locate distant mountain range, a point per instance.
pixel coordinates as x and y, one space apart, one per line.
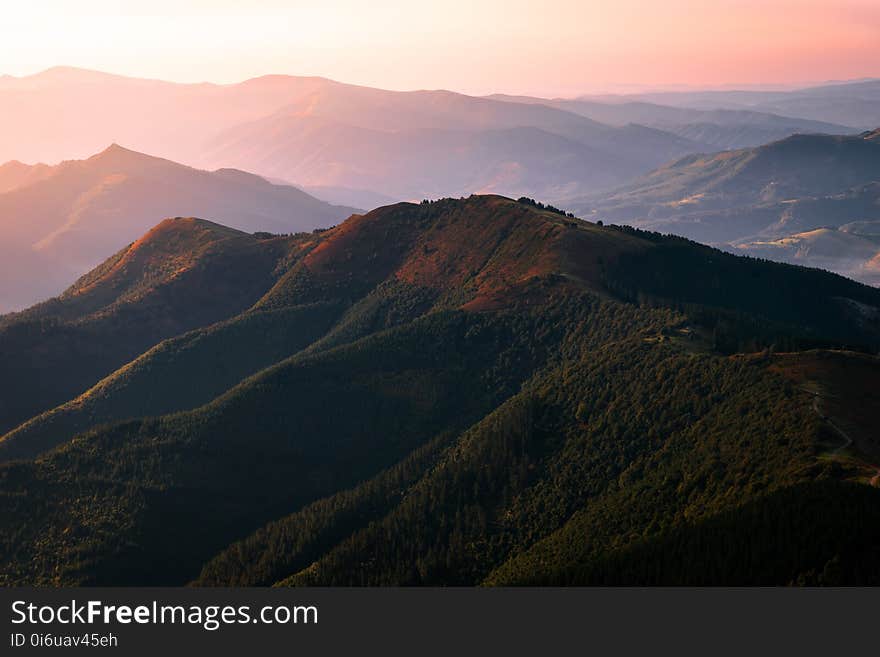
323 134
362 144
434 143
455 392
17 174
60 221
718 128
809 199
853 103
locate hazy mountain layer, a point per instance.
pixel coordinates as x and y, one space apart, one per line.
15 174
319 133
719 128
71 216
849 103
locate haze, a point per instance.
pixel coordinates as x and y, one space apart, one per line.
556 47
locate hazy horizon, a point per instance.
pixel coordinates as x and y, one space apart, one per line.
564 48
620 89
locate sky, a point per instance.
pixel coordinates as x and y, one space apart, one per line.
549 47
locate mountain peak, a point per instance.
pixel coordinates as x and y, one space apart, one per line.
487 251
182 225
115 149
15 174
66 75
116 156
56 71
172 247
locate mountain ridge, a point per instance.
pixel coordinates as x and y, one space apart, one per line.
719 128
758 195
184 274
80 211
482 254
198 123
423 395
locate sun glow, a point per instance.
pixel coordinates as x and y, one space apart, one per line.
557 47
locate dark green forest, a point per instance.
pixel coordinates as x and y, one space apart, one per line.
461 392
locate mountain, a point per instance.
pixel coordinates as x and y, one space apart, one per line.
183 274
719 128
67 113
801 165
320 133
841 250
69 219
851 103
15 174
456 392
434 162
431 143
749 129
749 199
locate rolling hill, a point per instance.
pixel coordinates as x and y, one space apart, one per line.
455 392
74 214
764 200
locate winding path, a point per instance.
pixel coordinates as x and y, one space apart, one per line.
847 439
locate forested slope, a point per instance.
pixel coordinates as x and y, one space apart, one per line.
459 392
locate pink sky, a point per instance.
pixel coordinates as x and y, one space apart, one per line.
554 47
